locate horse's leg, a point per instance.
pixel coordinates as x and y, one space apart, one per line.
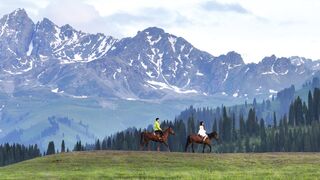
204 146
192 148
166 144
141 146
141 142
186 147
158 147
148 145
144 142
209 147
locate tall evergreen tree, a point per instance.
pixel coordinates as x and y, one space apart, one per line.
251 122
316 104
263 136
242 126
104 144
291 115
247 144
226 126
98 145
51 149
63 147
298 109
215 126
234 134
274 120
310 108
191 125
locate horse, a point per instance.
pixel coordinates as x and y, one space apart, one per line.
151 136
195 138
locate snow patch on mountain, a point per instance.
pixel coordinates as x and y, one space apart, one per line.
30 48
226 77
56 90
273 91
270 72
172 41
161 85
5 25
199 73
144 65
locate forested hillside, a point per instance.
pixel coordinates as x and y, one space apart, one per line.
240 130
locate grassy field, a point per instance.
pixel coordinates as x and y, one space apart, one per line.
154 165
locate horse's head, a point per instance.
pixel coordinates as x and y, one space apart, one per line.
171 131
214 135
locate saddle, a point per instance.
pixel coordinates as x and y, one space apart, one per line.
158 135
202 137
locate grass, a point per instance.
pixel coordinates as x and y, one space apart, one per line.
154 165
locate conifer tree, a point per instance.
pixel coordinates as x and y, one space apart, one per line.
98 145
51 149
63 148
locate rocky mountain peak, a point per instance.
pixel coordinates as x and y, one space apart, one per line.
153 31
231 58
19 13
16 31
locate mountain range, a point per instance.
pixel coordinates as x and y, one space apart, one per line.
55 79
151 65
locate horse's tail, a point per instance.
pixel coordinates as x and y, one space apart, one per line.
187 144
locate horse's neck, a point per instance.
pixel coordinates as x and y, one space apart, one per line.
211 136
166 134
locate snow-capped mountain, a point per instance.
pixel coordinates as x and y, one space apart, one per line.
150 65
67 44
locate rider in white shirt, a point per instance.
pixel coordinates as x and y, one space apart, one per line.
202 131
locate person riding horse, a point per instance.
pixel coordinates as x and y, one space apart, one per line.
202 132
157 129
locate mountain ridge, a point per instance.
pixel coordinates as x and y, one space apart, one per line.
150 65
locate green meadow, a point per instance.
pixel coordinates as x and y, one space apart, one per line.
163 165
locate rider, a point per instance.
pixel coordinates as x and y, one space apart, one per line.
156 127
202 131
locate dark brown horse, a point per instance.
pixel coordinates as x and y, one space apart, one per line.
151 136
195 138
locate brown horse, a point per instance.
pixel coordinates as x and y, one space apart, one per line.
195 138
150 136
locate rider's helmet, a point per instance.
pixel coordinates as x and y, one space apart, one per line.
201 123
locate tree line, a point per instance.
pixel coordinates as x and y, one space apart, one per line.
239 131
13 153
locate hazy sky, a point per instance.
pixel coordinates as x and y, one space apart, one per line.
253 28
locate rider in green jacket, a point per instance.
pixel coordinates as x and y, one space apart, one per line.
156 127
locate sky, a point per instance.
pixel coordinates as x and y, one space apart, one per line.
253 28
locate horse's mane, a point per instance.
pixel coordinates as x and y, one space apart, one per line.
211 135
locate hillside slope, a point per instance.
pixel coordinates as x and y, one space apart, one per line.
119 164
